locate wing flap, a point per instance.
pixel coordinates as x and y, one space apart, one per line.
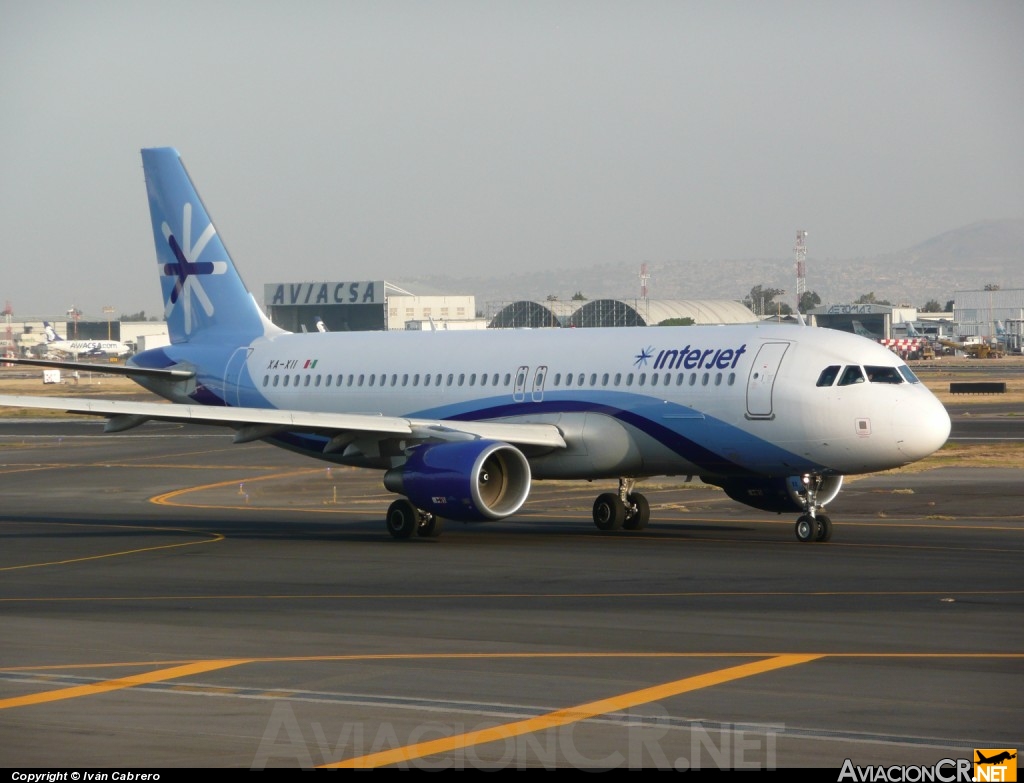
253 423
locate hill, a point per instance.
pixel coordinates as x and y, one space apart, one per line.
962 259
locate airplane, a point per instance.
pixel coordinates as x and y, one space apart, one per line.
1004 756
462 423
54 342
863 331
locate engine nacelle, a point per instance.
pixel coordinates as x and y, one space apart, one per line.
469 481
776 494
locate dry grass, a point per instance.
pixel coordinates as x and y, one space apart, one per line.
29 381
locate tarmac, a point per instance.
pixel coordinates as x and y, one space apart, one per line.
171 600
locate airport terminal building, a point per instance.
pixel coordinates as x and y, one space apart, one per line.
367 305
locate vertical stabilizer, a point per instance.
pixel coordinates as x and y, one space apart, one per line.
203 295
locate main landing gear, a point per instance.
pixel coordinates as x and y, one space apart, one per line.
625 509
813 524
404 520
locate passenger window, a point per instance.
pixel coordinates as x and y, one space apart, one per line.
317 381
642 379
704 379
275 380
593 379
618 378
851 375
629 379
426 379
718 379
604 379
883 375
266 379
732 378
828 375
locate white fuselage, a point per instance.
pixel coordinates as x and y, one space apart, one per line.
631 401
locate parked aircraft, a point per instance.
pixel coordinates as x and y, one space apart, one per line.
462 422
54 342
863 331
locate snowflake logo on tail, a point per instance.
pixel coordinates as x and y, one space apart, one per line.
187 268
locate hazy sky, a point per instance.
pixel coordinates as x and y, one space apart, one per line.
344 140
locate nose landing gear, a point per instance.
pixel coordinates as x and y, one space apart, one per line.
813 524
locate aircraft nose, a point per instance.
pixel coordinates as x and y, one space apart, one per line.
924 428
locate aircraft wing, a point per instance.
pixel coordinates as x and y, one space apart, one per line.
106 369
255 423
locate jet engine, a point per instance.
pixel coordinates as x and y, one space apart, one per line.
468 481
776 494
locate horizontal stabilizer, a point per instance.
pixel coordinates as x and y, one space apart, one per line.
108 369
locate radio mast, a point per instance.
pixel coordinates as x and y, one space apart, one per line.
801 267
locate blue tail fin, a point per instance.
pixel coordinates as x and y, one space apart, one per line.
204 297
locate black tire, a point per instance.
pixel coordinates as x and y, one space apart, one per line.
824 532
609 512
806 528
638 512
430 527
403 519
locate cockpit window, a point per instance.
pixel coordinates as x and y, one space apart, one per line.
907 373
883 374
851 375
828 375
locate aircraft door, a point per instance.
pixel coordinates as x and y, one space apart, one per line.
538 383
233 376
519 393
762 380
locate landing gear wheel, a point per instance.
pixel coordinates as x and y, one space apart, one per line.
430 527
609 512
806 528
824 532
638 512
403 519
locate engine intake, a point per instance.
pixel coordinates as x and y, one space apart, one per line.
468 481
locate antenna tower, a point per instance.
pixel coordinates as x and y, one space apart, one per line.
801 267
644 277
8 332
